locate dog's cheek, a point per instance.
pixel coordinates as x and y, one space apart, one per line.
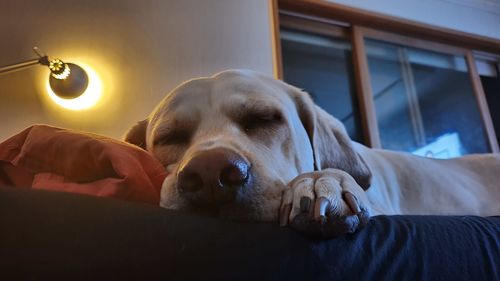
294 154
270 210
265 198
266 209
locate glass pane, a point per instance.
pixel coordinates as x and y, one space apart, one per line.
322 66
424 101
490 78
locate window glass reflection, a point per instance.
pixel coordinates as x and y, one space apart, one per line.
322 66
424 101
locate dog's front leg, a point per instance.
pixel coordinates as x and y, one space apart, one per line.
327 203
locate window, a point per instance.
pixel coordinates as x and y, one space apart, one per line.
489 69
393 91
424 101
321 65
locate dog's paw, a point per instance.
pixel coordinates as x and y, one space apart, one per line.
327 203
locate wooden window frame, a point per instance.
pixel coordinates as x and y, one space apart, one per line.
353 16
358 25
311 26
370 33
364 90
481 102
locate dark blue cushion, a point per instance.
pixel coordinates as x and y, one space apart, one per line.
46 235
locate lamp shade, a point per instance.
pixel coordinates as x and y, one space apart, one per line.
71 86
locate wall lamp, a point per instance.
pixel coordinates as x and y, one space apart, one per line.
67 80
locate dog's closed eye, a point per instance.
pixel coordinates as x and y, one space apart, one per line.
260 119
173 137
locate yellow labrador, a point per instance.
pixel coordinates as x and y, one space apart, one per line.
242 145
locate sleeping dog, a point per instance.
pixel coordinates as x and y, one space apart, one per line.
242 145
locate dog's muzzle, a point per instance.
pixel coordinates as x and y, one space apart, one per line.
213 177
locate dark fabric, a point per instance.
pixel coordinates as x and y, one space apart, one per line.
47 235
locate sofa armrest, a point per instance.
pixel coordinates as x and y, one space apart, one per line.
49 235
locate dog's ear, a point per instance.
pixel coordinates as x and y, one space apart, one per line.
331 144
137 134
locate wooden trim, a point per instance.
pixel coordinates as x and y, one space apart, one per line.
364 90
482 103
412 42
313 18
373 20
315 26
275 39
311 26
486 56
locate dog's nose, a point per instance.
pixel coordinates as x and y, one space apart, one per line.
213 176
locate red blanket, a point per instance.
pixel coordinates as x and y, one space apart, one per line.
44 157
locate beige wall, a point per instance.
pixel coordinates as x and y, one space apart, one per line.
141 49
480 17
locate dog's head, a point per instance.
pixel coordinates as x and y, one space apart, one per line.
232 142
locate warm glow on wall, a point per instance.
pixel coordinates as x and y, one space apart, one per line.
88 99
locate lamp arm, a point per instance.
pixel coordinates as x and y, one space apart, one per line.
22 65
65 82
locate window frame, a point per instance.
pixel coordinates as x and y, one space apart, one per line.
337 20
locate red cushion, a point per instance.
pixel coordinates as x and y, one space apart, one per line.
44 157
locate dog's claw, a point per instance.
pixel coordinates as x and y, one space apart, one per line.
305 204
284 214
322 220
352 202
322 204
